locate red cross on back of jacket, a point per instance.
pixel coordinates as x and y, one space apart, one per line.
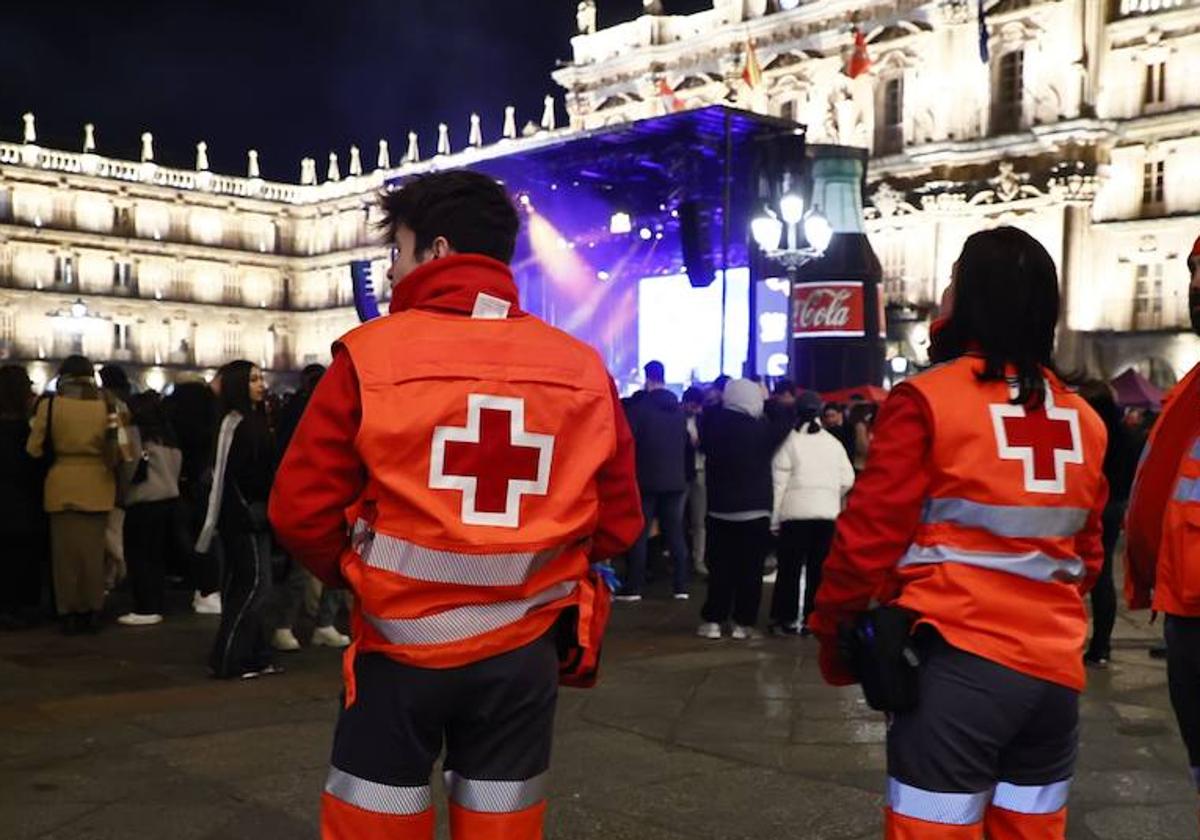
482 438
994 564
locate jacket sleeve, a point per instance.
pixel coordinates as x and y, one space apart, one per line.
1089 543
36 444
781 472
620 518
321 474
878 524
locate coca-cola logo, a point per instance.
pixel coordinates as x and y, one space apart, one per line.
825 309
830 309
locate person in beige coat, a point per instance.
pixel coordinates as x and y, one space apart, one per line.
76 429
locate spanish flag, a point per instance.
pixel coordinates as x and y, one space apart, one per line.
752 71
860 61
672 102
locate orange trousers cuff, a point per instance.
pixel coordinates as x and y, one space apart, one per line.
516 825
343 821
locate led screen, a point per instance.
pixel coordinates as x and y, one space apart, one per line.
680 325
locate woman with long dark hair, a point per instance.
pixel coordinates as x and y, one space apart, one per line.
977 524
243 469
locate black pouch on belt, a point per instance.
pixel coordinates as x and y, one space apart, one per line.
880 649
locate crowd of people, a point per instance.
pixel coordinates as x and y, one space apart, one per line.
945 540
107 490
732 474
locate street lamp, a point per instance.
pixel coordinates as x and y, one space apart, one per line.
79 308
768 229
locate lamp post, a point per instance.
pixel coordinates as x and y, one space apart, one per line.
791 236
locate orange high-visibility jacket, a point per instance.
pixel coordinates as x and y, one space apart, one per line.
1164 511
482 439
1009 536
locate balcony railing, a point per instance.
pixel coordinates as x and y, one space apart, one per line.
1133 8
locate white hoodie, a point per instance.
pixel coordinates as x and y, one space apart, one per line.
812 474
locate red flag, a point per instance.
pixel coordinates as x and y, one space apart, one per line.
752 71
673 102
860 61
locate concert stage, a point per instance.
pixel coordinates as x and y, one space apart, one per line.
636 238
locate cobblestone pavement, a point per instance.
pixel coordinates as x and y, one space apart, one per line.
121 735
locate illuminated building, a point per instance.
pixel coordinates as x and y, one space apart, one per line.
1082 126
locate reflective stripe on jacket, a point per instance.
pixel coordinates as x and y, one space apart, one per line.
999 561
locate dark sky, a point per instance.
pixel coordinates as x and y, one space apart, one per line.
292 79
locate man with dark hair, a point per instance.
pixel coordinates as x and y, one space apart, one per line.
834 419
656 374
1163 552
485 464
660 440
460 212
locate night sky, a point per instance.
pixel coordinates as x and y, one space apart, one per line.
292 79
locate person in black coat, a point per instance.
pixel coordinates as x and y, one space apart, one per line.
1120 464
22 521
738 443
660 437
191 411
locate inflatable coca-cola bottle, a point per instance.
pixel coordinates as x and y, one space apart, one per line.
837 310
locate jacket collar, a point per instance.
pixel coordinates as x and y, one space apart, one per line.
453 284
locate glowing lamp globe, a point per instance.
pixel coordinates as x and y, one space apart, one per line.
791 208
767 232
818 231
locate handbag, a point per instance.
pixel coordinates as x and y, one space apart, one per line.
880 650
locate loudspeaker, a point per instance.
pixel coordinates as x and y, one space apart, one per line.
696 245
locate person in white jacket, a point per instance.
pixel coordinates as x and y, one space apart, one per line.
812 476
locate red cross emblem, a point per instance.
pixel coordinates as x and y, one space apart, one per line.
493 460
1044 441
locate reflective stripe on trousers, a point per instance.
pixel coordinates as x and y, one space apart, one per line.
392 554
459 623
1006 520
1030 564
376 797
935 806
969 808
493 796
1032 799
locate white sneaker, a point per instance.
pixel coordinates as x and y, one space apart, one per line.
680 596
139 619
285 639
740 632
209 604
628 599
709 630
329 636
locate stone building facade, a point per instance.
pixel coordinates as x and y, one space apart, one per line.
1082 126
